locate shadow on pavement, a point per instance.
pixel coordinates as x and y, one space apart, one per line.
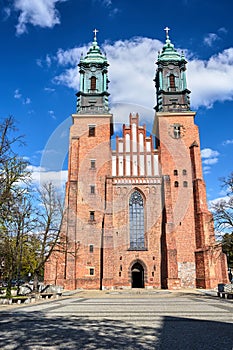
37 331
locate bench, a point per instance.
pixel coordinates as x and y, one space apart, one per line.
19 300
47 295
225 291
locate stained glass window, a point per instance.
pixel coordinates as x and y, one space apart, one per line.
136 221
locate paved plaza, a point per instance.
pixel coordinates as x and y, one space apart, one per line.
120 320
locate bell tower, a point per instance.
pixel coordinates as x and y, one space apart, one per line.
171 87
89 164
187 233
93 93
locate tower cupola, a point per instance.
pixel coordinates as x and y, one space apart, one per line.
170 80
93 93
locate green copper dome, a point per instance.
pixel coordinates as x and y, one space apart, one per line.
93 93
169 53
94 54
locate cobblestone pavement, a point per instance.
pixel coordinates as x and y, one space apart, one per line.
120 320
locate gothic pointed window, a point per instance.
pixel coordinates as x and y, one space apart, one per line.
136 221
93 83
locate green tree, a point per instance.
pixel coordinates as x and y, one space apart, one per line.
14 179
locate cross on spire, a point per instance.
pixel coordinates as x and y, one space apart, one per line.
167 32
95 31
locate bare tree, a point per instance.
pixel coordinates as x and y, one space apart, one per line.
48 219
223 216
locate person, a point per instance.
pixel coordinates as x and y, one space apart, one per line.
230 276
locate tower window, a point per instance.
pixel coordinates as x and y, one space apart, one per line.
92 189
175 172
91 130
176 184
92 272
92 163
185 184
176 131
91 248
92 216
172 82
93 83
184 172
136 221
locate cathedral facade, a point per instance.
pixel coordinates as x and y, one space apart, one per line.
135 216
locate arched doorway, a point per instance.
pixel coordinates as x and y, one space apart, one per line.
137 275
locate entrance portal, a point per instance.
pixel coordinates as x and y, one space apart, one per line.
137 276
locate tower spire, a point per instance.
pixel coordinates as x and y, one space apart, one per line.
172 92
93 93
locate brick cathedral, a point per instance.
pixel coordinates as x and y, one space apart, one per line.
135 216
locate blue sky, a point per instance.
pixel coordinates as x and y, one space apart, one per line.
41 43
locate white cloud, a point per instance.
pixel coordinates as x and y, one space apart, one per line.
47 89
227 142
52 114
209 153
210 161
6 13
109 5
211 80
17 94
41 175
206 169
27 101
209 157
40 13
210 39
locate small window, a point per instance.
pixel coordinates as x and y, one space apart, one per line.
92 272
176 184
120 267
92 189
119 274
185 184
172 81
92 163
91 130
176 131
184 172
152 274
91 248
92 216
93 83
175 172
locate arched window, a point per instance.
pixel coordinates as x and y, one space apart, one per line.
136 221
172 82
93 83
176 184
